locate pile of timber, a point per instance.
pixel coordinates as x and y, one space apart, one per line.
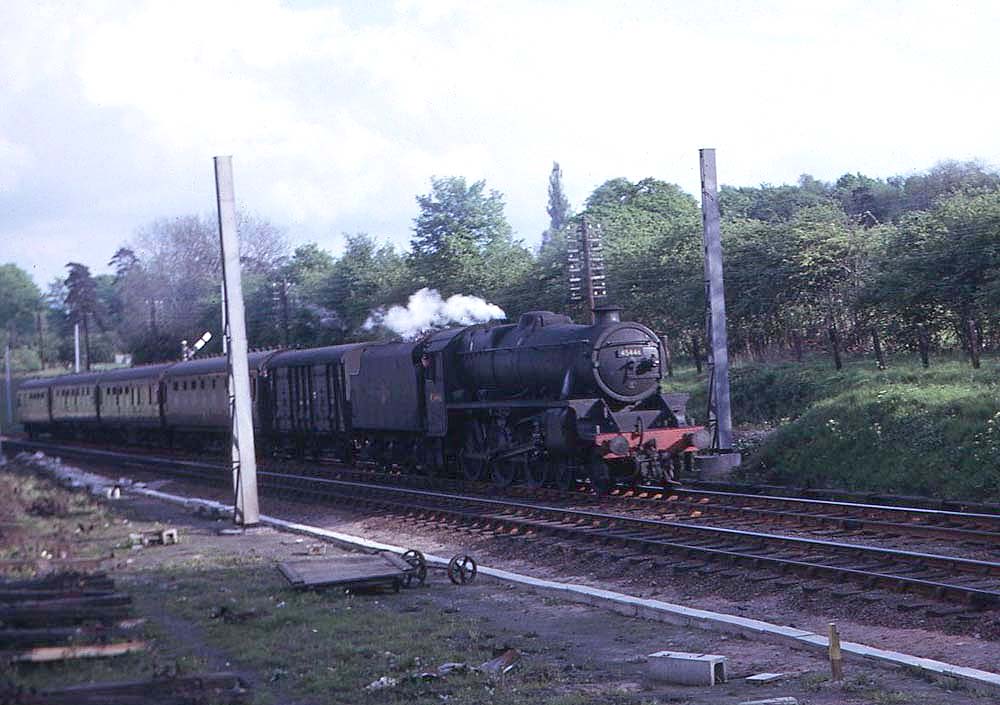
65 616
73 615
204 689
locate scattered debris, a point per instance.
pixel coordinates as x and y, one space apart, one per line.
155 538
48 507
230 617
42 654
501 664
443 670
382 683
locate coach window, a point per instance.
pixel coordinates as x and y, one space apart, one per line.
203 383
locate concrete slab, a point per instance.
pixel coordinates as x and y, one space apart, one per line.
683 668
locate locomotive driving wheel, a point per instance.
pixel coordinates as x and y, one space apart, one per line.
600 476
536 472
473 457
563 473
507 470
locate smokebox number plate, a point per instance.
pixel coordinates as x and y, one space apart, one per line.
629 352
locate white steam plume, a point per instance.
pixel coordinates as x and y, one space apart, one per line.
427 310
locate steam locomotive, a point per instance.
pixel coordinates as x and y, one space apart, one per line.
539 401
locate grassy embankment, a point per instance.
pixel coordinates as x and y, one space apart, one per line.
907 430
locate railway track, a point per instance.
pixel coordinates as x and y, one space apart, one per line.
975 582
853 521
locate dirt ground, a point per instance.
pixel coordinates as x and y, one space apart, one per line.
216 602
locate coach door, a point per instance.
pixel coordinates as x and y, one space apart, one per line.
321 418
300 407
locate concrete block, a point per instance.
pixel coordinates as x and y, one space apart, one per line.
761 678
686 669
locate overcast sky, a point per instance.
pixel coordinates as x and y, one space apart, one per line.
338 113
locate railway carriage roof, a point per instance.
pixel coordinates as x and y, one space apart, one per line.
151 373
74 379
36 383
213 365
312 356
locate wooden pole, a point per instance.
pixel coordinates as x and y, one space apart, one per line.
877 345
973 343
247 511
924 345
668 362
836 659
588 278
835 347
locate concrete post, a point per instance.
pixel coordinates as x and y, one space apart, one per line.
716 300
9 389
245 470
234 446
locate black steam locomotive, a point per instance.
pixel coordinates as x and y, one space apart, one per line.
540 401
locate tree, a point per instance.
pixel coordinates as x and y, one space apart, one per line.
558 207
773 203
368 275
19 300
171 283
82 303
651 238
462 242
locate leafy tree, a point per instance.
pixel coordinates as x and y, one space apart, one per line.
462 242
368 275
558 207
772 203
82 303
19 300
652 245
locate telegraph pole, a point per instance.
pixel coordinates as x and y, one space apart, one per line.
586 267
720 419
245 470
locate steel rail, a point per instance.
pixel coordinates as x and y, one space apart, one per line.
645 534
846 516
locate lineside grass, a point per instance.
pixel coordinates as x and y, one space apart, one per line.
328 646
906 429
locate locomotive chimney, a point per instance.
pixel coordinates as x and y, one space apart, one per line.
607 313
